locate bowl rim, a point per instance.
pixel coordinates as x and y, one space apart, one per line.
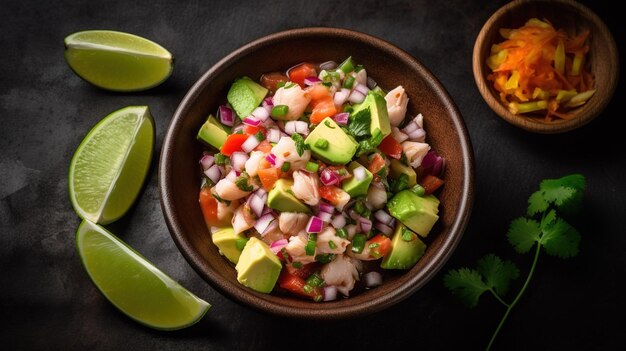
450 242
527 123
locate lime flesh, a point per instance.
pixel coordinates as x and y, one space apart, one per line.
117 61
133 284
110 165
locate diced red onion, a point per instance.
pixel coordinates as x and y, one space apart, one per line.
410 127
329 292
271 158
226 115
237 128
252 121
267 104
359 173
250 143
371 83
256 205
238 160
373 279
261 113
339 221
328 65
325 216
383 216
315 225
326 207
273 135
206 161
362 89
262 194
290 127
366 224
263 223
302 127
351 229
417 135
311 80
398 135
232 175
329 177
385 229
213 173
356 97
429 160
341 96
283 134
278 245
341 118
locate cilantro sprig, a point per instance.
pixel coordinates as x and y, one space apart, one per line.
541 228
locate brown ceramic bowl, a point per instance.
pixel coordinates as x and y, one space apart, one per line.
179 178
563 14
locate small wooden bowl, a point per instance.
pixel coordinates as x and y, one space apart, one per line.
563 14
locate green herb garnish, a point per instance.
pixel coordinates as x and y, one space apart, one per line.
542 227
286 166
242 182
300 145
259 136
359 124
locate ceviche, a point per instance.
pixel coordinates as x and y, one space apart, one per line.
315 181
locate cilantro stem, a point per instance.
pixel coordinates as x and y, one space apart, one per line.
493 292
519 295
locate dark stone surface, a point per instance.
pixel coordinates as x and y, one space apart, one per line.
48 301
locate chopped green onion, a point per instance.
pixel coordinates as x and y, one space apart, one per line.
297 265
358 243
285 254
285 167
280 84
373 245
321 144
327 84
315 280
332 245
312 167
347 66
307 288
418 190
342 233
259 136
221 159
407 235
348 109
324 258
309 248
327 124
240 243
279 110
348 83
361 209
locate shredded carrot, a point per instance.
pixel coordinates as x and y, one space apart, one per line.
535 63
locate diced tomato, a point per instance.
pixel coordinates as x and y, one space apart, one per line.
208 204
305 271
233 143
376 164
298 73
268 177
330 193
264 164
270 80
431 183
264 146
252 130
318 91
390 147
322 108
295 285
382 245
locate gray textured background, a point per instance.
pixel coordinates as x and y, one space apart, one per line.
48 302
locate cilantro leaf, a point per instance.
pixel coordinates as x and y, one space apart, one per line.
498 274
558 194
466 284
575 181
537 203
359 124
548 219
370 145
523 233
560 239
300 144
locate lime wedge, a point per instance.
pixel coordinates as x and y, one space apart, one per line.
117 61
133 284
110 165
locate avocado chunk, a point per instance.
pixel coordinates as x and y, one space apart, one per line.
245 95
229 243
406 249
213 133
329 143
281 198
398 168
356 187
378 111
416 212
258 268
